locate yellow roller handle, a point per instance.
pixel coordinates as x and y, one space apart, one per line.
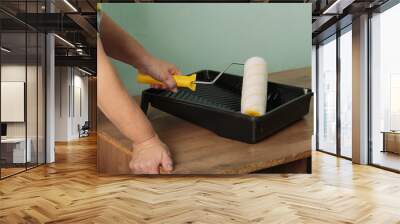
187 81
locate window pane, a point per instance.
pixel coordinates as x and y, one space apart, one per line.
31 97
41 98
32 88
346 94
386 89
14 153
327 97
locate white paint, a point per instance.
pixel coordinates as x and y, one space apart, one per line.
254 89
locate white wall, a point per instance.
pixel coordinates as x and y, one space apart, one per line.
62 81
71 93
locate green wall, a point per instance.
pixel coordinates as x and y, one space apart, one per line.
210 36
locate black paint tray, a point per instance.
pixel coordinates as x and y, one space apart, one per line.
217 107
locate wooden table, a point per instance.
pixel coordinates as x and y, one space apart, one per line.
196 150
391 141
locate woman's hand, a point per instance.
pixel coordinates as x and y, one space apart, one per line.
149 156
162 71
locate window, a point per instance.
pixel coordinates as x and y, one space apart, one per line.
385 89
327 96
346 92
22 88
333 137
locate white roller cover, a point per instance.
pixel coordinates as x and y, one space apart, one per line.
254 90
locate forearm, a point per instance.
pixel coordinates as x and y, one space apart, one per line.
115 102
119 45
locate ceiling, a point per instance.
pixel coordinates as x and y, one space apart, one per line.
39 6
16 42
332 15
74 22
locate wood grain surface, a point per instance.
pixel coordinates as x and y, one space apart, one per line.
196 150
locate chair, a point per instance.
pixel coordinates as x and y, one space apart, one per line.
84 130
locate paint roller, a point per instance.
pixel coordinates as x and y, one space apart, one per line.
254 89
188 81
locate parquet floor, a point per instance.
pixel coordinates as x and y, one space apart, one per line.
387 159
70 191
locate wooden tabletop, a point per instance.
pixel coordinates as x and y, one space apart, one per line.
196 150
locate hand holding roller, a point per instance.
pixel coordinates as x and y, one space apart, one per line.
188 81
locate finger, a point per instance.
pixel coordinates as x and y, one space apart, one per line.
157 86
150 167
170 82
166 163
173 70
178 72
137 170
153 170
168 152
132 166
161 87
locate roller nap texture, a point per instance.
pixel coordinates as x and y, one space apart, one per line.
254 89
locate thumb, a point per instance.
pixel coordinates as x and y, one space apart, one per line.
166 162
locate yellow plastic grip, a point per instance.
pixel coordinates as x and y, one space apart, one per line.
187 81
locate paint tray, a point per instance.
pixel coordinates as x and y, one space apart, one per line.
217 107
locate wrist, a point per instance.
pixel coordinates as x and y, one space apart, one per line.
151 141
144 62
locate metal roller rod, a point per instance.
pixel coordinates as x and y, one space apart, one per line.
219 75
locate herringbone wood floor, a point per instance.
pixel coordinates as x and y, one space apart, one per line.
70 191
